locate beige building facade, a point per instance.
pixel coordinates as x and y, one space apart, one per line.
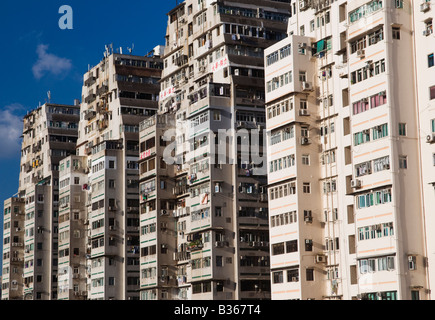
118 93
212 200
49 135
345 189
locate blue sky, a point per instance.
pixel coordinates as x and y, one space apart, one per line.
37 56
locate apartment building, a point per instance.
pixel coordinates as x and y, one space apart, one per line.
344 187
73 228
118 93
31 230
159 276
425 101
206 235
13 253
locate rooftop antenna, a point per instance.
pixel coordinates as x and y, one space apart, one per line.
49 96
106 52
130 49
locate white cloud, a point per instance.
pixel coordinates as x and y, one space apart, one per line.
49 63
11 128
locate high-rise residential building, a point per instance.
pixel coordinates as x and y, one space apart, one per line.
272 149
204 222
73 225
118 93
49 134
13 253
424 63
348 114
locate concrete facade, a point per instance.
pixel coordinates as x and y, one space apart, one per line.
357 176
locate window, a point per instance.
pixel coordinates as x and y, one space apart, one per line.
415 295
310 275
365 10
430 60
111 281
278 277
403 162
218 211
402 129
373 198
293 275
380 131
361 137
398 4
216 115
378 99
308 245
306 159
386 263
217 187
306 187
278 248
291 246
412 262
360 106
432 93
396 33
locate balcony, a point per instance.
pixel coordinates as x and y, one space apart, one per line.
90 98
181 60
90 114
90 81
102 90
195 246
181 256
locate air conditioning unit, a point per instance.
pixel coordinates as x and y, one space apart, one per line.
360 53
308 219
303 4
303 112
307 86
424 6
430 138
320 258
355 183
164 212
236 72
305 141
